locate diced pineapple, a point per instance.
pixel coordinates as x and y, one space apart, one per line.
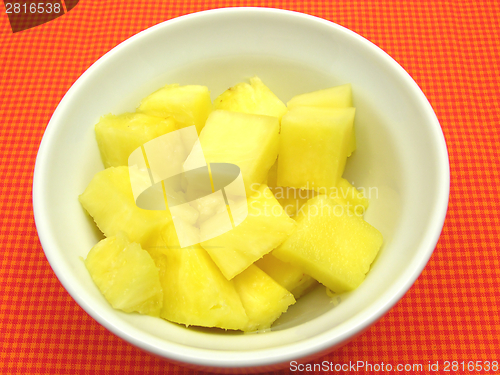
292 199
207 207
289 198
290 277
195 291
248 141
126 275
188 105
314 145
290 205
263 298
354 199
254 98
118 136
265 227
334 97
243 258
332 245
109 200
306 285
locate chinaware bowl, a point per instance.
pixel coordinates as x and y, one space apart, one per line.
401 163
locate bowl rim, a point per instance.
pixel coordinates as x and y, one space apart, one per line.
269 356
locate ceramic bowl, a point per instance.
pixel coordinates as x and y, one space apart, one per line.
401 161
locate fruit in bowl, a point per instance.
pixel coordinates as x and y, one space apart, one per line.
217 282
399 145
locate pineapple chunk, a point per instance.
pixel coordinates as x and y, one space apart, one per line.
292 199
289 198
118 136
195 291
254 98
110 201
332 245
290 277
126 275
354 199
263 298
334 97
314 146
188 105
248 141
265 227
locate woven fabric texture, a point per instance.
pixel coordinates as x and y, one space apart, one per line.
451 49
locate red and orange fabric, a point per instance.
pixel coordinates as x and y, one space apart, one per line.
451 49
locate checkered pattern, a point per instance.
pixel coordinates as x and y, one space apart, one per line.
452 51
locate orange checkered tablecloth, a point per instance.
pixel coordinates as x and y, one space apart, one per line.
451 49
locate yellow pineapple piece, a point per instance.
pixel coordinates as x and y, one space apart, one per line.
346 193
254 98
188 105
265 227
109 200
314 145
333 97
249 141
126 275
292 199
331 245
195 291
290 277
263 298
118 136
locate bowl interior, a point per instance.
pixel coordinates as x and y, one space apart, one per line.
401 162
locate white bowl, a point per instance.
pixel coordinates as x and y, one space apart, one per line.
401 155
